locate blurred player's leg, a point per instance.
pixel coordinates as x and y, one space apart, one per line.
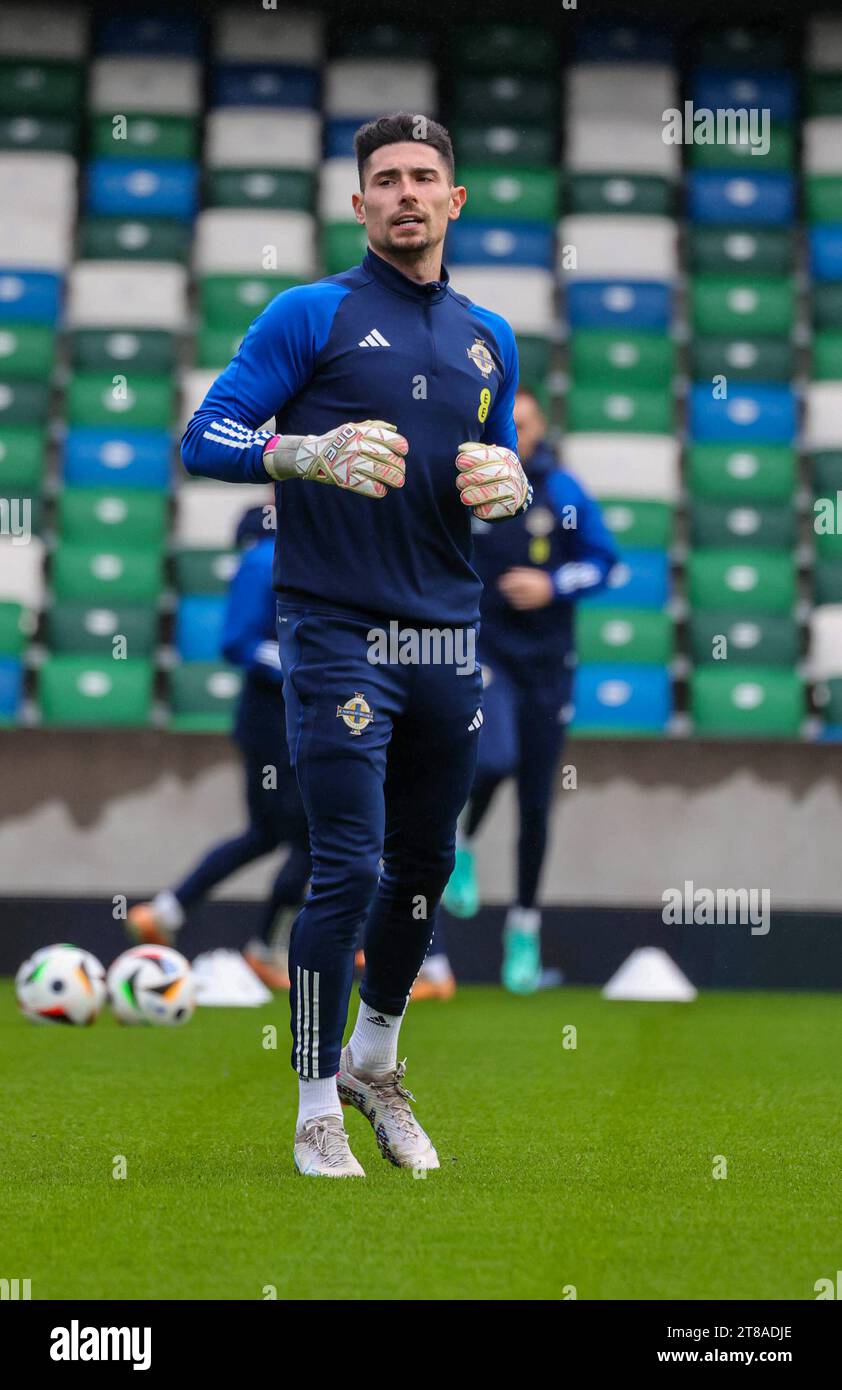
435 978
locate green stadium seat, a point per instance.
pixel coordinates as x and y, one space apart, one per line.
735 305
740 250
500 145
617 360
82 628
150 351
23 454
826 469
735 46
514 194
634 410
216 346
343 245
137 401
33 88
746 701
638 524
204 571
734 473
739 157
826 306
134 238
232 301
823 94
129 517
741 581
827 356
203 696
832 706
742 359
619 193
763 639
495 48
827 581
17 625
27 351
829 544
86 690
99 576
606 635
534 359
24 402
294 189
504 97
140 135
39 134
767 524
823 197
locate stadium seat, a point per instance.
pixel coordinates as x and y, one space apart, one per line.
627 466
203 696
822 137
764 361
242 138
619 305
629 194
616 360
766 524
11 689
29 296
198 626
742 306
752 413
827 356
506 47
27 351
164 86
823 415
207 513
827 581
498 145
638 524
99 576
734 473
16 627
204 571
361 87
24 402
61 34
503 97
609 143
638 248
746 702
126 294
134 238
762 639
149 351
142 136
235 241
740 250
512 244
634 410
85 629
605 635
824 653
620 701
23 454
137 401
640 579
131 517
516 194
826 467
22 572
99 457
742 581
525 297
639 91
85 690
231 302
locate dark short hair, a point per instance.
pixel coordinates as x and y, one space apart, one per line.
403 125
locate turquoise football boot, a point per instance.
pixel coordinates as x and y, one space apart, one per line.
521 973
461 896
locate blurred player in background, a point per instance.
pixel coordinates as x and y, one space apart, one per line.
533 571
275 813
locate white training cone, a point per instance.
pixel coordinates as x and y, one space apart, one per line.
223 979
650 974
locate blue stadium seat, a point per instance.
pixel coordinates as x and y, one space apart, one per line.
247 84
29 296
622 699
717 88
826 252
149 35
339 137
622 43
500 243
11 685
750 414
747 198
138 188
198 626
640 579
622 304
101 457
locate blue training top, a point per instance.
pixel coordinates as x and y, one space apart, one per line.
367 344
562 533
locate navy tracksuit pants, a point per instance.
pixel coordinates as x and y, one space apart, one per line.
385 756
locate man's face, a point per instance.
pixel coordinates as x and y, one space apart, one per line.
530 424
407 200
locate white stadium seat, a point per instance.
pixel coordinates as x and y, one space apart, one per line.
232 240
245 137
824 44
823 415
639 91
206 514
269 36
44 31
625 465
22 572
195 384
822 137
639 248
524 296
364 87
608 143
163 86
127 294
29 243
339 179
39 185
824 652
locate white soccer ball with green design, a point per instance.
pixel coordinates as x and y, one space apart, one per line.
61 984
151 984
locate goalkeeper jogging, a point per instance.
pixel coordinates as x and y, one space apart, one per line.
392 399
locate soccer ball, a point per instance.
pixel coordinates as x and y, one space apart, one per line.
151 984
61 984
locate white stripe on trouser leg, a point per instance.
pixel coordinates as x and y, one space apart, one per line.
298 1019
315 1070
306 1034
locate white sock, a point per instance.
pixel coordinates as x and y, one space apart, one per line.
168 910
525 919
317 1097
436 968
374 1041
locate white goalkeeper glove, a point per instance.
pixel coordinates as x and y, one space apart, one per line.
366 457
492 481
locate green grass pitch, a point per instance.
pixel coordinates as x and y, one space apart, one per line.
588 1167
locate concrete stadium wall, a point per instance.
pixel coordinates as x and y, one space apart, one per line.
101 813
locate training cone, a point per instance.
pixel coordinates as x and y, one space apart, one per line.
650 975
224 980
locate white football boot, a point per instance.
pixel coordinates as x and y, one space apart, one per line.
321 1150
385 1103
